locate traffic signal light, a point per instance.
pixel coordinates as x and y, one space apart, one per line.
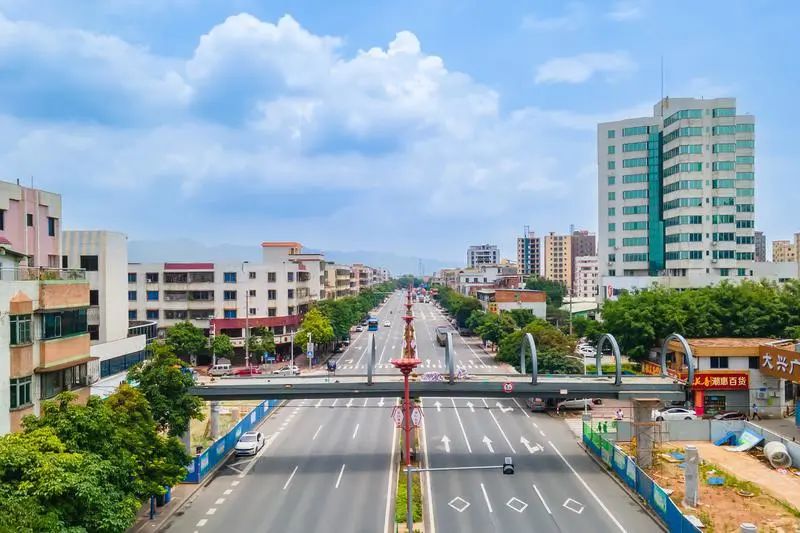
508 466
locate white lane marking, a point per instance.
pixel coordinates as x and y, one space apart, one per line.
546 508
349 403
521 409
290 478
426 474
318 403
380 403
389 499
219 501
573 505
542 433
335 402
365 401
339 479
587 487
466 440
202 522
234 483
211 511
355 431
503 433
535 425
316 432
486 497
227 491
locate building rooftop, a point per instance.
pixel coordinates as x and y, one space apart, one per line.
280 244
729 342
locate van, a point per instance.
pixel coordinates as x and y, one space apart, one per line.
221 369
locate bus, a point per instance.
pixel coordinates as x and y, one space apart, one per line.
372 324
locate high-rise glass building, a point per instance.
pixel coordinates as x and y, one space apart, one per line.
529 255
676 193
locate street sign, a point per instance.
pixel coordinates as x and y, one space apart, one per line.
416 416
397 415
508 387
309 353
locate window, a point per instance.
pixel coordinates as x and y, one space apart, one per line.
229 277
753 363
745 128
635 130
683 149
724 112
633 226
271 277
723 165
724 272
683 167
745 159
718 362
745 224
118 364
20 329
723 184
634 241
612 180
683 237
61 380
722 237
290 293
682 185
229 313
744 239
634 210
723 219
29 220
612 243
152 296
611 165
251 292
683 114
176 277
744 175
64 261
612 211
692 131
723 148
683 219
612 196
745 143
2 219
745 208
634 178
272 294
89 263
745 256
176 314
637 193
723 254
745 192
612 226
131 277
723 130
290 310
151 277
632 258
611 134
20 391
635 162
611 149
51 226
272 311
252 275
94 332
94 297
132 314
722 200
290 276
683 255
152 314
63 323
634 147
229 295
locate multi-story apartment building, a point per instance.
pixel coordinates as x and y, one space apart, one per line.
470 280
116 345
585 278
784 252
558 259
482 254
761 246
676 195
337 281
529 255
273 294
582 244
30 219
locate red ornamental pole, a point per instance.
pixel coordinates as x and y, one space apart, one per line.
407 419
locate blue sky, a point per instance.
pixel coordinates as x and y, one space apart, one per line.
414 127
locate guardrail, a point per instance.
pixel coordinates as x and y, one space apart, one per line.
626 468
204 463
41 274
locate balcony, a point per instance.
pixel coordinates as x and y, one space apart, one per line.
42 274
63 350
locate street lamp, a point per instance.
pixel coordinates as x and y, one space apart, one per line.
246 321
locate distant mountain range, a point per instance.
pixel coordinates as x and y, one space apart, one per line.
185 250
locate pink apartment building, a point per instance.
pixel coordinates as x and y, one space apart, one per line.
30 220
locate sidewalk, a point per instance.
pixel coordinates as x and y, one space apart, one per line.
180 495
782 426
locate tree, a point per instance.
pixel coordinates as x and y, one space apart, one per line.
186 341
521 317
261 341
586 327
221 346
552 346
495 327
555 291
475 319
317 326
164 382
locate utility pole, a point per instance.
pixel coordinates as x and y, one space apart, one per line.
246 321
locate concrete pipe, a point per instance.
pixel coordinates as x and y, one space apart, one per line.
777 455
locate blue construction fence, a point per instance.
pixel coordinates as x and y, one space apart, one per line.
211 456
626 468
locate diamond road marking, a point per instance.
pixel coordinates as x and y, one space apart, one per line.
460 507
517 504
574 506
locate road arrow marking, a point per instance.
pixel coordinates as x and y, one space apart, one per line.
349 403
488 442
349 361
531 449
438 407
380 403
502 408
446 443
471 407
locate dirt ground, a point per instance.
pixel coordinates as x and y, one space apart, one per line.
230 413
752 491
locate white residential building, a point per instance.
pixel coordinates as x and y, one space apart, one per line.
585 276
676 195
482 254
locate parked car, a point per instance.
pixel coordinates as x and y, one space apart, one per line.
674 413
248 371
359 328
387 324
581 403
537 405
730 415
250 443
289 370
220 369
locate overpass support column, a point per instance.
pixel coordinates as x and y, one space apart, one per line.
644 429
214 420
448 357
371 365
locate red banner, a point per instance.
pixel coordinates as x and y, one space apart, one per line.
721 381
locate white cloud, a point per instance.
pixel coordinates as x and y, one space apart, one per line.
624 10
573 18
580 68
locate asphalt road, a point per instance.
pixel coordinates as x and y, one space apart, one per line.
327 462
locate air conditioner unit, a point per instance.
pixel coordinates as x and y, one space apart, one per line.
761 395
713 243
713 260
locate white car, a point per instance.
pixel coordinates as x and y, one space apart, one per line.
674 413
359 328
250 443
387 324
289 370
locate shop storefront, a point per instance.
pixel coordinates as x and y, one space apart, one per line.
714 392
780 360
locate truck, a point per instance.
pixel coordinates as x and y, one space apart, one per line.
441 335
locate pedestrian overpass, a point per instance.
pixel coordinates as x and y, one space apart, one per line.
663 387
